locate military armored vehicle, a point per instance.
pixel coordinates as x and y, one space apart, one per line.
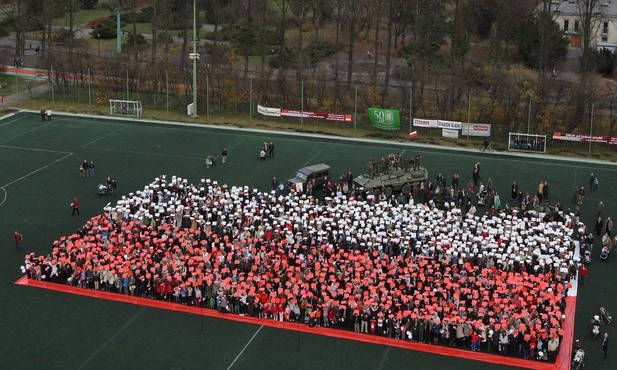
393 174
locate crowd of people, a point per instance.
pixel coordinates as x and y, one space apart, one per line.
409 271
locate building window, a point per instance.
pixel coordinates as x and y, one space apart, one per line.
604 38
566 25
576 26
605 28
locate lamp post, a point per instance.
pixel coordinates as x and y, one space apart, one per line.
194 57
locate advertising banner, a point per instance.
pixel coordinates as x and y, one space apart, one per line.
454 125
430 123
582 138
317 115
476 129
273 112
385 119
452 134
278 112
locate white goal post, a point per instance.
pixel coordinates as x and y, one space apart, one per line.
526 142
125 108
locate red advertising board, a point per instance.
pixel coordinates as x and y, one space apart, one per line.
317 115
582 138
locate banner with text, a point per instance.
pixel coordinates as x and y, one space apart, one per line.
273 112
453 125
476 129
278 112
317 115
449 133
430 123
582 138
385 119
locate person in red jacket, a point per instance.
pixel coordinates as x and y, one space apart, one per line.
18 238
75 206
582 274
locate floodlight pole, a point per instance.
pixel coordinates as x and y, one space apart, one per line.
194 57
591 128
118 32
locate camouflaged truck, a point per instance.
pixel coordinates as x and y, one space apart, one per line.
393 174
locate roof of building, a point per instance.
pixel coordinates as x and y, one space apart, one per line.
571 7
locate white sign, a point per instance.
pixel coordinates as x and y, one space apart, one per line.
274 112
431 123
446 132
476 129
455 125
190 110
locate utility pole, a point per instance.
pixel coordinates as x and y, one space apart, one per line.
194 57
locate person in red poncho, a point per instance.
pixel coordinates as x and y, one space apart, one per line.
18 238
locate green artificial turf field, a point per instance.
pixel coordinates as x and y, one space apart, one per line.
39 176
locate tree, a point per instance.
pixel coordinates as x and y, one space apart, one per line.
459 33
590 16
541 43
607 62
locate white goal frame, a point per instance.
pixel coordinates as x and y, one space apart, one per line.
518 142
125 108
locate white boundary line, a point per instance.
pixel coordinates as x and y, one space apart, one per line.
141 153
26 132
35 171
383 359
301 135
33 149
11 121
6 116
104 136
112 338
245 346
5 195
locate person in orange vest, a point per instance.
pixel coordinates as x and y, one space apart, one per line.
18 238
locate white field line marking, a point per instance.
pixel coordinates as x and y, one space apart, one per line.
37 170
26 132
247 344
112 338
33 149
103 137
5 195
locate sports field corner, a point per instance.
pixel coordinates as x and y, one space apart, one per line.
53 329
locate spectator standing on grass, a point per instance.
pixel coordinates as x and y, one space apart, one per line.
18 238
545 190
91 169
224 155
581 195
600 208
605 344
593 182
609 226
271 150
599 225
75 206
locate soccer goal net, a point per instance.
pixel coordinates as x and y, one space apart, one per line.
125 108
527 142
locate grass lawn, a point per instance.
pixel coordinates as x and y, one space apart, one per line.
64 331
82 16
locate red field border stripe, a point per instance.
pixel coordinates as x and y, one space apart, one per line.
563 361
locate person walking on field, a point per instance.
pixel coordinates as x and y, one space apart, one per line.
75 206
18 238
224 155
605 344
